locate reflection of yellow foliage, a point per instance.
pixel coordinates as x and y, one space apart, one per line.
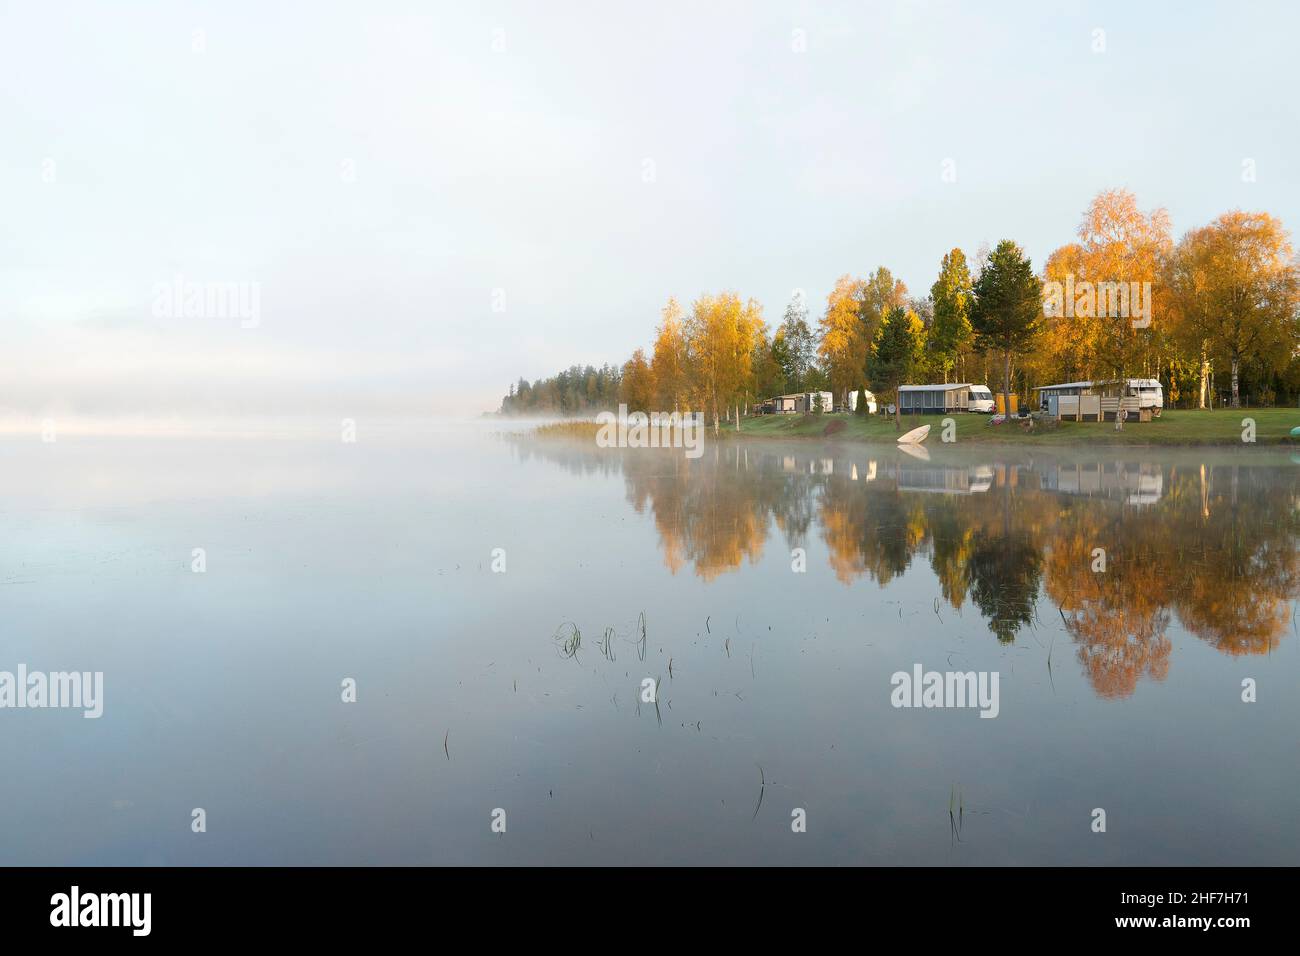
1115 617
1117 242
713 523
674 551
724 541
1216 552
840 533
870 534
1235 618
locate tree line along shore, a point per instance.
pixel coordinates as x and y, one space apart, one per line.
1214 316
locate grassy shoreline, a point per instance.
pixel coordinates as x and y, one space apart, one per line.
1186 428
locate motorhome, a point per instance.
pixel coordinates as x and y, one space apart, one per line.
981 400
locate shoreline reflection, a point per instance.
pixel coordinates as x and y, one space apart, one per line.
1209 543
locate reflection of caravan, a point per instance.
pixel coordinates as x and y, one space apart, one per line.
947 481
853 402
1136 484
981 478
1146 490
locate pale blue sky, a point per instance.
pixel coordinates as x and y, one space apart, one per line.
522 169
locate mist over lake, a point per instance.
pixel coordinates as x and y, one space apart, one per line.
499 600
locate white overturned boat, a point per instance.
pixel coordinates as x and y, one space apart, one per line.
915 436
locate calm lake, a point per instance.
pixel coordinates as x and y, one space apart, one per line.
499 600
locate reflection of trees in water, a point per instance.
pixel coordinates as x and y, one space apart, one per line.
1218 550
871 534
714 512
951 542
705 521
570 456
1238 563
1118 617
1004 572
1216 546
980 545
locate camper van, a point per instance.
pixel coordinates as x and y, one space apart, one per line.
981 400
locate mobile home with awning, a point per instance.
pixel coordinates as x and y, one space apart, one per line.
1135 393
940 399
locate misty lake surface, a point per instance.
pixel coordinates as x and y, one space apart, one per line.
511 680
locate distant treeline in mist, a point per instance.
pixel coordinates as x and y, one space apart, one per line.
575 391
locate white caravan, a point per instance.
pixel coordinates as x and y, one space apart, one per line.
820 400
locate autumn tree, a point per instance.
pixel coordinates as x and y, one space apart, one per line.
637 387
1068 344
845 340
877 296
1236 285
669 362
1122 247
950 332
1006 309
720 334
